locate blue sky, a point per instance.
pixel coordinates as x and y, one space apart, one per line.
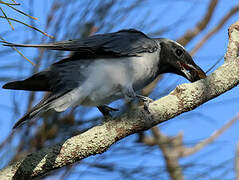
195 125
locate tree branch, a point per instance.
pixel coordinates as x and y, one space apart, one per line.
170 148
201 25
233 47
187 151
233 11
173 148
98 139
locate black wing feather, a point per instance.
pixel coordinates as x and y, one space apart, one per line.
122 43
37 82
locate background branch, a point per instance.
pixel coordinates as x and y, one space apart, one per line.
169 147
201 25
221 23
186 151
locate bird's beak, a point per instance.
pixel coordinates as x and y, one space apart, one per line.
192 72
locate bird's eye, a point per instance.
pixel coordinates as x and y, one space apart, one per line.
179 52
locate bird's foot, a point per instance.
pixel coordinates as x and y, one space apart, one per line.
105 110
146 101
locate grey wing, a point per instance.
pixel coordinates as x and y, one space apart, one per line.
122 43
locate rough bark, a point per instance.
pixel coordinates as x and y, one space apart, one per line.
96 140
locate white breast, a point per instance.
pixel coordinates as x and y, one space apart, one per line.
107 77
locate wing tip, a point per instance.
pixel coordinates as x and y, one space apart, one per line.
11 85
16 125
20 121
6 86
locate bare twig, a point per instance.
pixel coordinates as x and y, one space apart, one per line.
12 19
221 23
9 22
191 150
169 147
20 53
190 34
12 4
21 11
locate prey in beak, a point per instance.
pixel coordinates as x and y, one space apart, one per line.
177 60
192 72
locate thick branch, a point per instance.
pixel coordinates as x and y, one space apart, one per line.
184 98
233 48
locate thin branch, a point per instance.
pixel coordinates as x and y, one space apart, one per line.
12 19
14 1
214 65
21 12
20 53
190 34
9 22
169 147
221 23
12 4
191 150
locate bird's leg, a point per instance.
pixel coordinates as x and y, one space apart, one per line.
105 110
145 100
130 95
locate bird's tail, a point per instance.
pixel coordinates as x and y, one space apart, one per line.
44 105
37 82
29 115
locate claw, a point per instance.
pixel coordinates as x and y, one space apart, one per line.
105 110
146 101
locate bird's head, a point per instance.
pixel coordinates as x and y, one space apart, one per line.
175 59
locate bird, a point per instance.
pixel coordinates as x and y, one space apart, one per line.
103 68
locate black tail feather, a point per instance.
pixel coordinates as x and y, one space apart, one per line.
42 106
37 82
23 119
